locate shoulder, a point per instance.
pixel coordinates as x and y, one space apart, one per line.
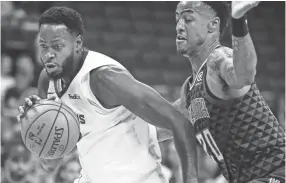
217 58
219 55
94 54
97 59
108 83
107 72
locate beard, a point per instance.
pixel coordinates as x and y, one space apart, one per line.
190 48
62 70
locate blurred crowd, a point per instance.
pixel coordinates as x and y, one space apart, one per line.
19 74
18 165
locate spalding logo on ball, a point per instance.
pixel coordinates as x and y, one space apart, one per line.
50 129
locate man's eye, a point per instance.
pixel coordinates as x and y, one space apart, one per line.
188 19
57 47
43 46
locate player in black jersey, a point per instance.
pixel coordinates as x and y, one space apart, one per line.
233 122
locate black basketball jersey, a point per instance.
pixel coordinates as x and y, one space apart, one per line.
242 135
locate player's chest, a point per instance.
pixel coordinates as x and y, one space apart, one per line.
210 133
195 101
73 97
208 118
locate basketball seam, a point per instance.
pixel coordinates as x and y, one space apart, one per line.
34 122
68 134
50 130
62 108
72 115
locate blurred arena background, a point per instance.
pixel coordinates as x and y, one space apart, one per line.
140 35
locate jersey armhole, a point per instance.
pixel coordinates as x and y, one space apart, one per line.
94 100
207 89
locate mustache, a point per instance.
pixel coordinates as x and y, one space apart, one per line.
48 60
44 67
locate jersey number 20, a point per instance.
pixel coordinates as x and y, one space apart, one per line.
206 140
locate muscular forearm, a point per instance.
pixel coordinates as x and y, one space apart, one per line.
146 103
188 161
244 55
183 133
185 144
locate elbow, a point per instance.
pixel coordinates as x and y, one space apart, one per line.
249 77
245 80
248 81
245 77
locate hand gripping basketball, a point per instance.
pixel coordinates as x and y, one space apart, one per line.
29 102
49 129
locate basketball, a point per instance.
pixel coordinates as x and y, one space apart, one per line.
50 129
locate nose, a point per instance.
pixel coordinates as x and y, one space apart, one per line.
180 26
49 56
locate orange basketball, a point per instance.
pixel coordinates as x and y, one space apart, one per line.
50 129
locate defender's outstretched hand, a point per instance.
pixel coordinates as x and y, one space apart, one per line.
240 8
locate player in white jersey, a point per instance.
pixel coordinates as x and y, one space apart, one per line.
116 144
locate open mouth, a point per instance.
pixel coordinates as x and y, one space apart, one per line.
181 38
50 65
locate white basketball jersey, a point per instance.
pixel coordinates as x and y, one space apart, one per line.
116 145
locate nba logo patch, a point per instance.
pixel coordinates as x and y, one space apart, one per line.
200 76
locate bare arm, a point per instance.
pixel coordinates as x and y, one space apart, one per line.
118 87
43 84
165 134
240 70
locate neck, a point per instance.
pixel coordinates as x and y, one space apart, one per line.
78 61
202 52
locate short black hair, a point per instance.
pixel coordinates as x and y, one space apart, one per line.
63 15
223 9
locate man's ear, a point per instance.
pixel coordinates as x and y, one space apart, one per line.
79 42
214 24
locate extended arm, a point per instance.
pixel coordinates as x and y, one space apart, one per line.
165 134
118 87
242 70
